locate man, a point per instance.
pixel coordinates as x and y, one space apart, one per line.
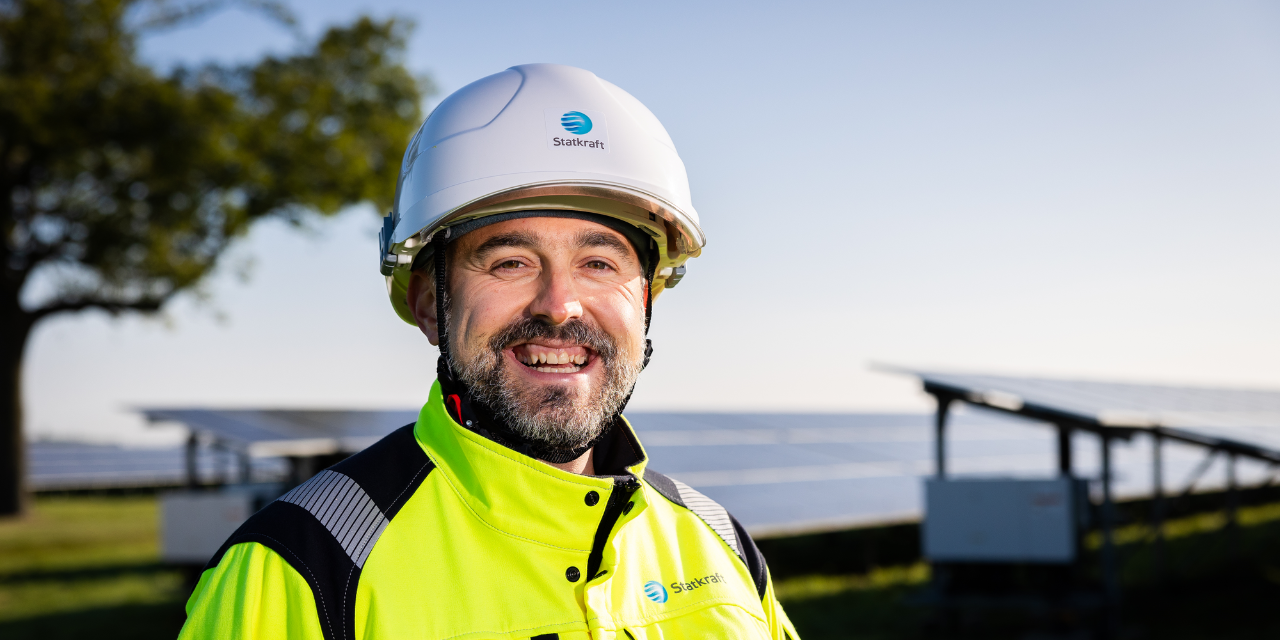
539 213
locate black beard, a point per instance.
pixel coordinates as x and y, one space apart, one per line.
553 417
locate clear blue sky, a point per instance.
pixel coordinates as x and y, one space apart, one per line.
1086 189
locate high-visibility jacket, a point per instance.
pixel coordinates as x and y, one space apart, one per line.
438 532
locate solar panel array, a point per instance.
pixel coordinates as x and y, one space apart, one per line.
288 432
69 466
1248 415
777 473
783 474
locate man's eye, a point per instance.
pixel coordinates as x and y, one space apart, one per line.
598 264
510 264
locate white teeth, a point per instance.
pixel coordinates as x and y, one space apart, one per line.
575 361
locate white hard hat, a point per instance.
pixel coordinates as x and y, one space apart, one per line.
540 137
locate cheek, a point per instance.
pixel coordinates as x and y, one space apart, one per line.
481 312
621 317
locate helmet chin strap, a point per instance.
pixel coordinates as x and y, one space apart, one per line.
478 417
444 371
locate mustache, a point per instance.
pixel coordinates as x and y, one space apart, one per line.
575 331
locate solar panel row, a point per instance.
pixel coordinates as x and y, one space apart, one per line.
777 473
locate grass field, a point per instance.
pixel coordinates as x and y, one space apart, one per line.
88 567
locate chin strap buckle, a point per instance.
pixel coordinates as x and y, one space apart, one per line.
674 276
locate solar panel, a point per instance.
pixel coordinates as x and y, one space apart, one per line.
281 432
67 466
1250 413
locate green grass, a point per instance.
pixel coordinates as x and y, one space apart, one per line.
868 606
88 567
75 567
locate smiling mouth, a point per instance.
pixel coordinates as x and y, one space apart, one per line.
547 359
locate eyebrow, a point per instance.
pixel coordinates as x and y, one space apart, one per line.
520 239
602 239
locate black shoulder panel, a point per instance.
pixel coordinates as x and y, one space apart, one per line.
666 486
716 517
389 470
326 527
752 556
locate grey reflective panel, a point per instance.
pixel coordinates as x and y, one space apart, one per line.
711 513
344 509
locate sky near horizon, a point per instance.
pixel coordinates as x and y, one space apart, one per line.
1086 189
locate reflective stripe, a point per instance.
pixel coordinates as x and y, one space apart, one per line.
344 509
711 513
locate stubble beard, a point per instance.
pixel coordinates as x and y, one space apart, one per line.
558 417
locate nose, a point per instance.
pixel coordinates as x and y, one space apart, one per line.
557 301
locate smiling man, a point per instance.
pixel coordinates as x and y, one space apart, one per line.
520 504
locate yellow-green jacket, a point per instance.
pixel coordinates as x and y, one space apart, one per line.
438 532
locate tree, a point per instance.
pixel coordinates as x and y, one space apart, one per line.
120 186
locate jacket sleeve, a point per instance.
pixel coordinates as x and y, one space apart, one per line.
252 593
780 627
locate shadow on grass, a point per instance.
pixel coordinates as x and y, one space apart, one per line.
1211 581
1237 604
138 621
874 614
86 573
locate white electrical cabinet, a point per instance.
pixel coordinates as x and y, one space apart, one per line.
1002 520
193 524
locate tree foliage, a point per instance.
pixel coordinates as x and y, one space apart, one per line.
124 185
120 186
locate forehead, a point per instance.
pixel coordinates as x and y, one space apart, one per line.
543 234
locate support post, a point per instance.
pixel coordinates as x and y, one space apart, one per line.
1157 506
246 467
193 450
1110 575
1064 451
1233 505
940 435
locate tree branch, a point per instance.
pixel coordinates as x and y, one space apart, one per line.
164 14
145 305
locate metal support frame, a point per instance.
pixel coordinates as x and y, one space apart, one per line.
940 434
192 455
1064 450
1157 506
1233 504
1068 421
1110 573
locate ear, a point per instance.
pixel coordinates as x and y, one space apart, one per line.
421 299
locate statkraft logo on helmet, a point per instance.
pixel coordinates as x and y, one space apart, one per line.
576 122
587 129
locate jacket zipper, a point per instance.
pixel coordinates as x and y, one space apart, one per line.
622 490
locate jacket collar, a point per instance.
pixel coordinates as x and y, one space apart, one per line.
519 495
